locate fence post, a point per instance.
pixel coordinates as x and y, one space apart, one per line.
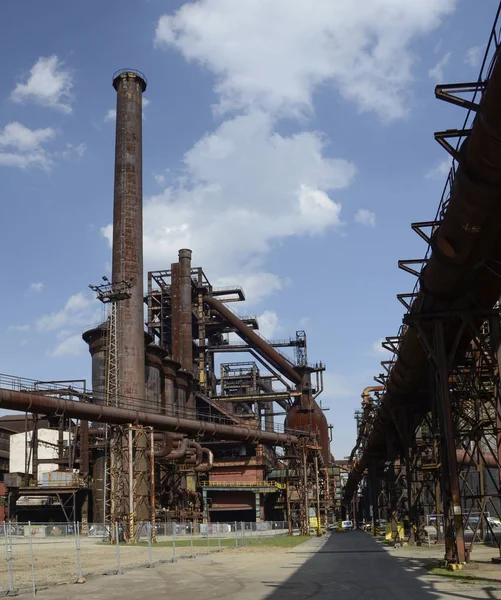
173 542
150 537
243 533
208 539
76 529
236 535
191 541
117 542
8 558
32 561
219 536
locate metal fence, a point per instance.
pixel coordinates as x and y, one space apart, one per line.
38 555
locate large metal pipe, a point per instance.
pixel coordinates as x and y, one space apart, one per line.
180 451
207 466
468 237
127 259
250 337
49 405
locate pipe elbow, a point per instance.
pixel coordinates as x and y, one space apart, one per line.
167 444
207 466
180 451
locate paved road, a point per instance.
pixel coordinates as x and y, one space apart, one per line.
345 566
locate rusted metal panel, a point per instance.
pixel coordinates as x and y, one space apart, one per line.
239 475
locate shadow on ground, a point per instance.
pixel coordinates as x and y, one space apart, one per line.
352 565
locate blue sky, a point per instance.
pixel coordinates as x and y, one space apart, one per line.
289 144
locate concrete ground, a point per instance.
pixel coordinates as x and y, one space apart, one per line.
348 565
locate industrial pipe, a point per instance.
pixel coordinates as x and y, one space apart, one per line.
49 405
478 459
207 466
198 452
466 241
167 446
180 451
370 389
252 339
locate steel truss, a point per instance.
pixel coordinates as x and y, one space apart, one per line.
309 488
131 475
452 463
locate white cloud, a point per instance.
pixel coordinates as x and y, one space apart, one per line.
36 287
440 170
437 72
73 345
378 349
365 217
268 324
256 286
244 188
78 310
474 56
48 84
22 147
19 137
111 115
271 55
72 149
160 179
22 161
19 328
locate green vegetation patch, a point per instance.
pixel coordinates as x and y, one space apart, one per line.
433 569
277 542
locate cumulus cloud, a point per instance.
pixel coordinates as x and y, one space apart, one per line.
474 56
36 287
256 285
70 345
20 137
78 310
242 189
440 170
365 217
268 324
271 55
437 72
22 147
48 84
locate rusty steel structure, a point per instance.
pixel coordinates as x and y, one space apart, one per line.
429 441
160 434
